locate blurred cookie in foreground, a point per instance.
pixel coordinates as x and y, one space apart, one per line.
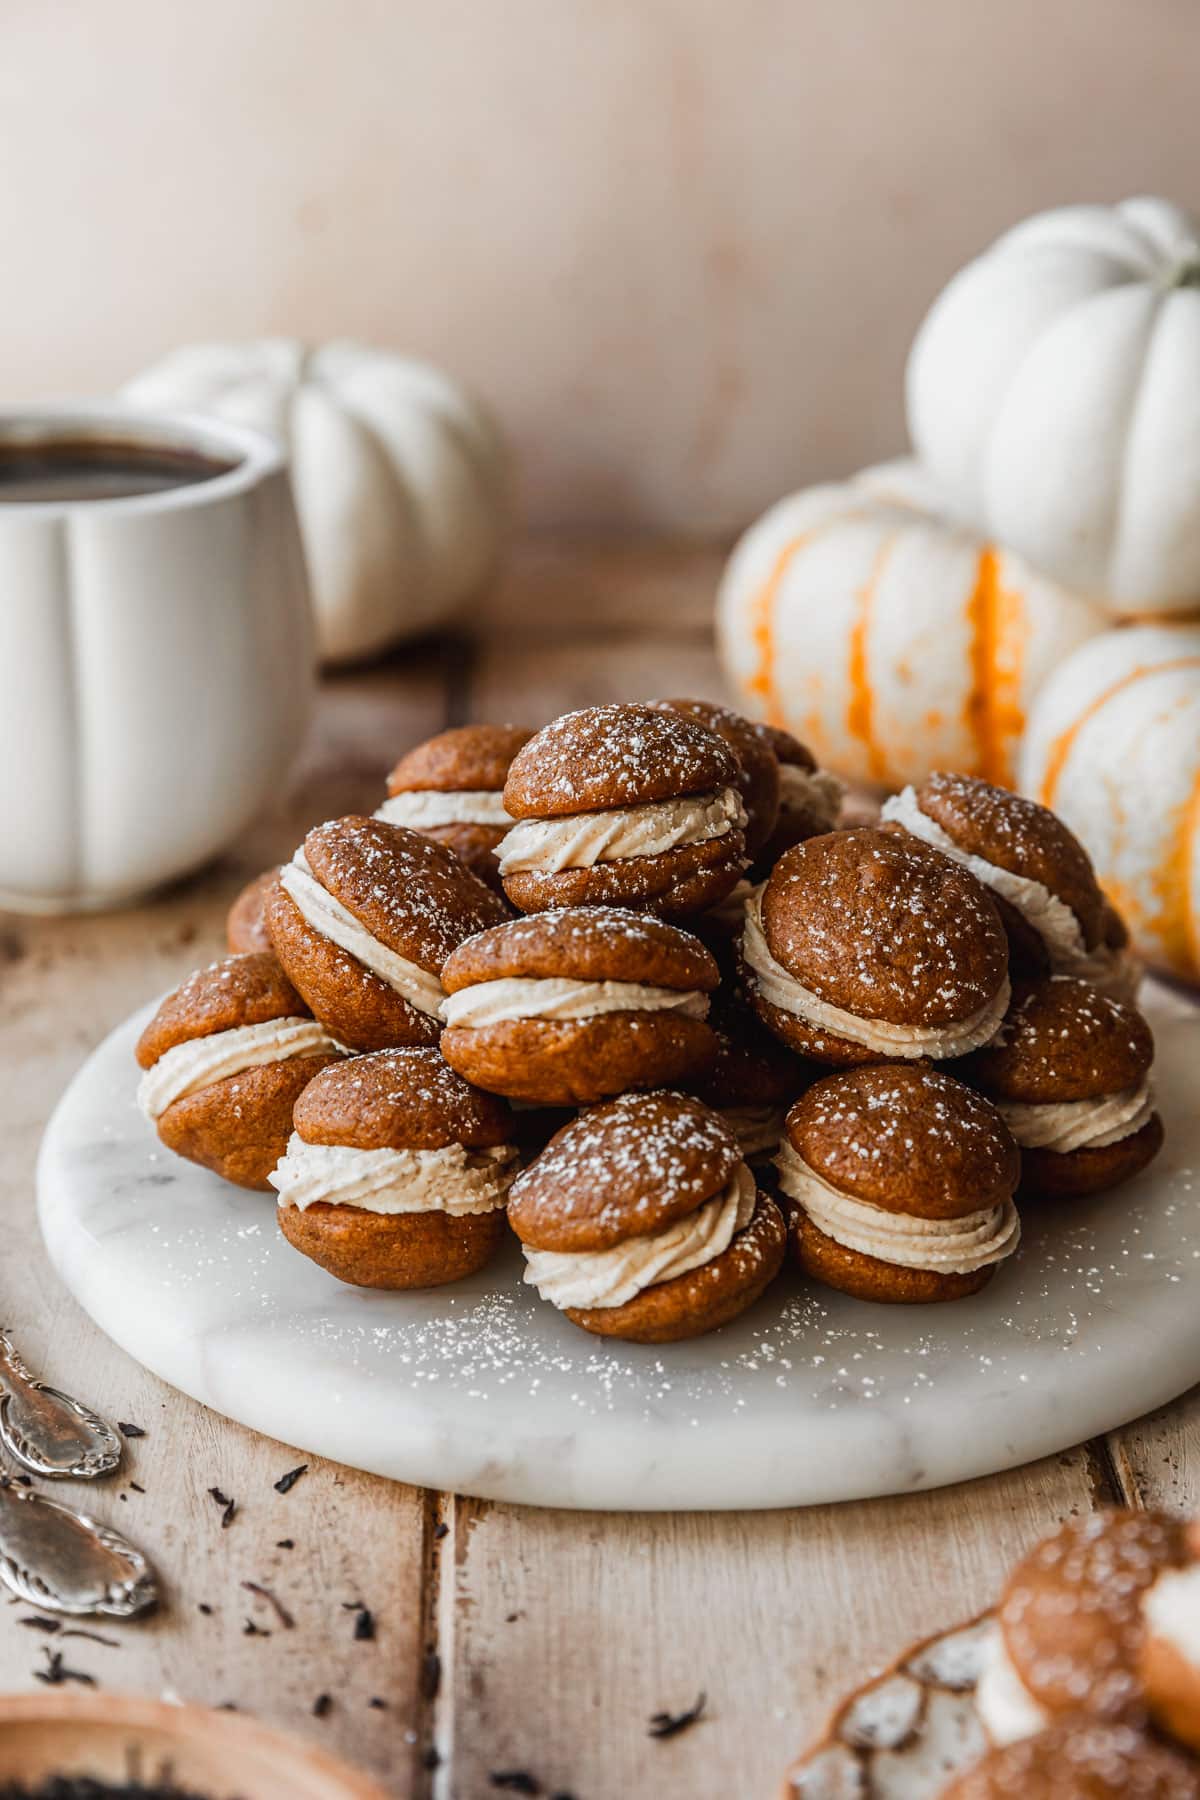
451 789
397 1172
246 921
623 806
1080 1758
641 1220
578 1004
225 1057
1035 866
864 947
903 1182
362 919
1070 1074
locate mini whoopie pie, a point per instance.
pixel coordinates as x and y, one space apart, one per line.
1070 1074
246 920
640 1220
362 919
1070 1632
1080 1758
862 946
576 1004
752 1081
1035 867
226 1056
810 798
758 766
451 788
903 1184
396 1173
625 806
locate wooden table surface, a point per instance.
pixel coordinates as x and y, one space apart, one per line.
504 1638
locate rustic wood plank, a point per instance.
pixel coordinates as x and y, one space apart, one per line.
1156 1460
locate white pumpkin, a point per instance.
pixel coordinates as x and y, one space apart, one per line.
1114 746
400 480
1052 391
891 642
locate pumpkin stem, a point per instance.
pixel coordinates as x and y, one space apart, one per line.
1186 272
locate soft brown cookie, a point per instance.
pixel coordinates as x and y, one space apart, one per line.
246 922
641 1221
363 918
902 1181
1070 1624
225 1057
397 1172
1070 1073
810 799
758 766
451 789
623 806
1025 854
863 947
574 1005
1169 1659
1080 1758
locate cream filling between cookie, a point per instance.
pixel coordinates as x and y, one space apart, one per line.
604 1278
814 792
452 1180
1171 1611
424 808
559 997
782 990
318 908
1005 1705
938 1246
198 1062
757 1129
1066 1125
584 839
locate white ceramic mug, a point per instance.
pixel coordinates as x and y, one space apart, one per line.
156 649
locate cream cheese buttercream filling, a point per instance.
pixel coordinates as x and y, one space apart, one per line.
583 839
1066 1125
452 1180
1005 1705
812 791
198 1062
603 1278
334 921
1171 1610
782 990
560 997
423 809
938 1246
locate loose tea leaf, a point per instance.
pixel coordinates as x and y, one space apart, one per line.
665 1725
287 1482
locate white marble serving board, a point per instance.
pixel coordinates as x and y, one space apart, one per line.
483 1389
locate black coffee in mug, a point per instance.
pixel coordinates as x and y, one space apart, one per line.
81 469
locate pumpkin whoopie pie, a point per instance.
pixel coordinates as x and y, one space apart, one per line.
810 798
758 780
225 1057
625 806
1036 868
362 919
902 1179
451 788
246 920
1070 1631
863 947
573 1005
753 1080
640 1220
1070 1074
1080 1758
397 1172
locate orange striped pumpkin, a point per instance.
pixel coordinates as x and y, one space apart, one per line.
1114 747
890 640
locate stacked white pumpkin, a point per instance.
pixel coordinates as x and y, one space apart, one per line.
982 606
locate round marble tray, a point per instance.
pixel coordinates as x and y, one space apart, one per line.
483 1389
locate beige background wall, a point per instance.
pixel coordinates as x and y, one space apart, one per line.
681 245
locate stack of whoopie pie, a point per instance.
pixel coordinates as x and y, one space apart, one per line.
623 985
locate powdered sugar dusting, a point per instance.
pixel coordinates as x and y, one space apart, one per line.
615 756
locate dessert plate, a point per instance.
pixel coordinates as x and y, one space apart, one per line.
482 1389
